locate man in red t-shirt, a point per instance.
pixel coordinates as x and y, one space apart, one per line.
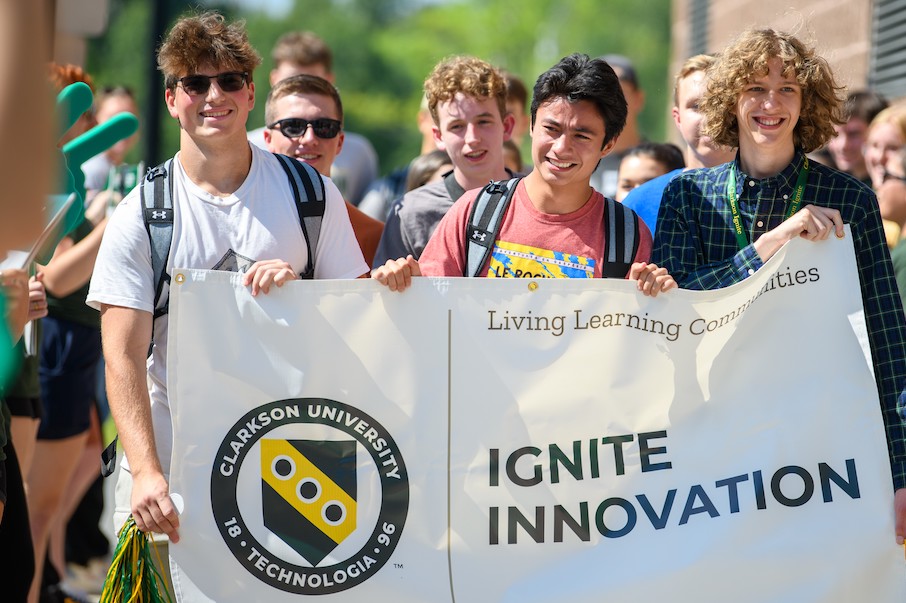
578 111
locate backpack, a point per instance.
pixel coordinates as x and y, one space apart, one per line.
157 212
621 230
157 203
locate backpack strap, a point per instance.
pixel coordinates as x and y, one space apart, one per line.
156 196
484 222
157 213
309 194
621 230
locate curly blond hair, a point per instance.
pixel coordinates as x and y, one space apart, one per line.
894 115
747 58
205 39
468 75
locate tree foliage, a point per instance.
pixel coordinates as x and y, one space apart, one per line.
383 49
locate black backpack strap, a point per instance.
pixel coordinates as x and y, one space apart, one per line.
310 197
484 222
157 212
621 232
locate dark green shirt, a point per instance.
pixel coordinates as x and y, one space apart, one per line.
72 307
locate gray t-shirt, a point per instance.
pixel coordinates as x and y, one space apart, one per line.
412 219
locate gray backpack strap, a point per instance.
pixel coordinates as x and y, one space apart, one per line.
157 212
156 196
310 197
484 222
621 231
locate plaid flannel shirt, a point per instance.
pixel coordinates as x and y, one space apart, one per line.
696 242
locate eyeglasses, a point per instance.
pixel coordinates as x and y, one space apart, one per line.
230 81
888 176
295 127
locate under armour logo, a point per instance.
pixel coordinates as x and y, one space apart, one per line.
479 236
158 215
496 188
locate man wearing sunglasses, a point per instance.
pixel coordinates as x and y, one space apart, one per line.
233 209
305 53
304 116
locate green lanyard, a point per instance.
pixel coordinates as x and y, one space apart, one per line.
741 236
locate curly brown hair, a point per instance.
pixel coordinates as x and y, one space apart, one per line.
205 39
468 75
747 58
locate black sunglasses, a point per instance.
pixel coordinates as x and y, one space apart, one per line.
295 127
230 81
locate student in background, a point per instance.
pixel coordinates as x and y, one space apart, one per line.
304 116
688 88
427 168
467 100
886 136
847 148
646 162
604 179
304 52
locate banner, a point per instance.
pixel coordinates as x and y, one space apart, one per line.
532 440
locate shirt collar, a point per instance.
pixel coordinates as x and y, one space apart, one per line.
785 179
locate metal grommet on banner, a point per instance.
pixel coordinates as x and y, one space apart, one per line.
532 286
180 278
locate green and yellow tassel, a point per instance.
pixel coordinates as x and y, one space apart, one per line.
133 577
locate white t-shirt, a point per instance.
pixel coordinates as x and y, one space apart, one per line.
257 222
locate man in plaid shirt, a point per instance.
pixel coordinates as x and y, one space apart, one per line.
776 100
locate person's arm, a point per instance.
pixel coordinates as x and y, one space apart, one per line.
72 263
391 245
650 278
887 339
688 232
126 336
812 223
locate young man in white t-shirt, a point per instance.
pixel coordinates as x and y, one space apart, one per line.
578 112
233 210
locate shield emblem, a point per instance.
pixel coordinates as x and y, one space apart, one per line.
308 493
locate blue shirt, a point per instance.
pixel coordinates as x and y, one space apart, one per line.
697 244
645 199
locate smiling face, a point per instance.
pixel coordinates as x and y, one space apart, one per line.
768 110
471 131
214 115
884 141
317 152
567 141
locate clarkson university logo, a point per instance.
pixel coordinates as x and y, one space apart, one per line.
310 495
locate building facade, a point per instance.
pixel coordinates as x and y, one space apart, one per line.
864 40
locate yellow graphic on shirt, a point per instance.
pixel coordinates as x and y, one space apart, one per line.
511 260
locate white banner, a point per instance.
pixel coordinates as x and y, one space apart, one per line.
514 440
